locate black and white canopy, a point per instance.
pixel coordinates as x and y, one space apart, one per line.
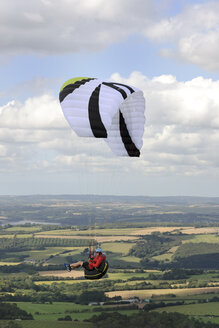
108 110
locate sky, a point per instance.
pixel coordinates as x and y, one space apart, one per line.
167 48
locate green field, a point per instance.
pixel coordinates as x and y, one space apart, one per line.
55 324
125 276
131 259
48 312
51 312
116 247
73 250
200 311
90 232
205 238
210 277
133 231
44 254
164 257
18 229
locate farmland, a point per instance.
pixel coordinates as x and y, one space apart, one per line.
79 210
161 258
199 311
51 312
163 292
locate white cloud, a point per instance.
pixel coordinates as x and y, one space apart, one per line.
181 133
63 26
194 34
182 123
36 113
34 135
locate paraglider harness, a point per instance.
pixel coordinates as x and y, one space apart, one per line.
95 273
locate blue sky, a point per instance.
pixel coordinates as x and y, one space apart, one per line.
169 49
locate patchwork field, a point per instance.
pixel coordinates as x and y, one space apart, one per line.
128 275
99 239
142 294
113 232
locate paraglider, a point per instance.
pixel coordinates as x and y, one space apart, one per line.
109 110
95 268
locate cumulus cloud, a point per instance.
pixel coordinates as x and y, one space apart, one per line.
59 27
182 123
36 113
34 135
181 132
193 35
51 27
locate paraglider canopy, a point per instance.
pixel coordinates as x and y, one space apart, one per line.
109 110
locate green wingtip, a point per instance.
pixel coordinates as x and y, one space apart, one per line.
73 80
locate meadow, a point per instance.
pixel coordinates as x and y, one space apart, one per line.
204 311
51 312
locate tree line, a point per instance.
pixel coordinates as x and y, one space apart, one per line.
188 255
147 320
32 243
10 311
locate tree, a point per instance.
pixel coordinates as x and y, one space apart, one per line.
11 312
66 318
91 296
